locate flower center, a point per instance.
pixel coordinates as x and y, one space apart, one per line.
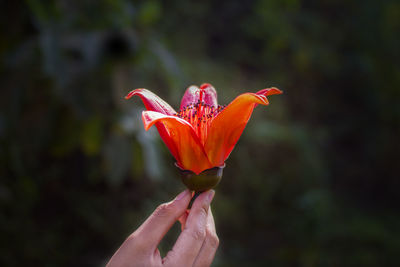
200 115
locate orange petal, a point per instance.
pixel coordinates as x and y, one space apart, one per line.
269 91
155 103
227 127
190 151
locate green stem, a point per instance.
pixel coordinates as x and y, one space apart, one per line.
196 194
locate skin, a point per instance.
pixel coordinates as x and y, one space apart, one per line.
195 246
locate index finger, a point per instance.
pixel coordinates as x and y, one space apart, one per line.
158 224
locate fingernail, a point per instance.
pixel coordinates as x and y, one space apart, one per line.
181 195
210 195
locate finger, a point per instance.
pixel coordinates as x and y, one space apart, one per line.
188 245
210 244
163 218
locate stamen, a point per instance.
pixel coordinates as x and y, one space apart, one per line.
200 115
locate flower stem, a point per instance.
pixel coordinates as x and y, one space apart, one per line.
196 194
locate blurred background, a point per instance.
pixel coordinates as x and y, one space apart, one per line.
313 181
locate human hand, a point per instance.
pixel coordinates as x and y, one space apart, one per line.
195 246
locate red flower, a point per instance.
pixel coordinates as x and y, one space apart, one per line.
202 134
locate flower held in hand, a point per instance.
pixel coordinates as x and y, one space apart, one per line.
202 134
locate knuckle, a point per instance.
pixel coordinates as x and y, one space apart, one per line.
202 211
198 234
164 210
212 240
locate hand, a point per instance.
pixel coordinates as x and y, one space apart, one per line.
195 246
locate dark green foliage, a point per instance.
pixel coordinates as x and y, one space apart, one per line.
313 181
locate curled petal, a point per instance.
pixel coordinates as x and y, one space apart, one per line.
193 94
152 101
226 129
269 91
191 155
